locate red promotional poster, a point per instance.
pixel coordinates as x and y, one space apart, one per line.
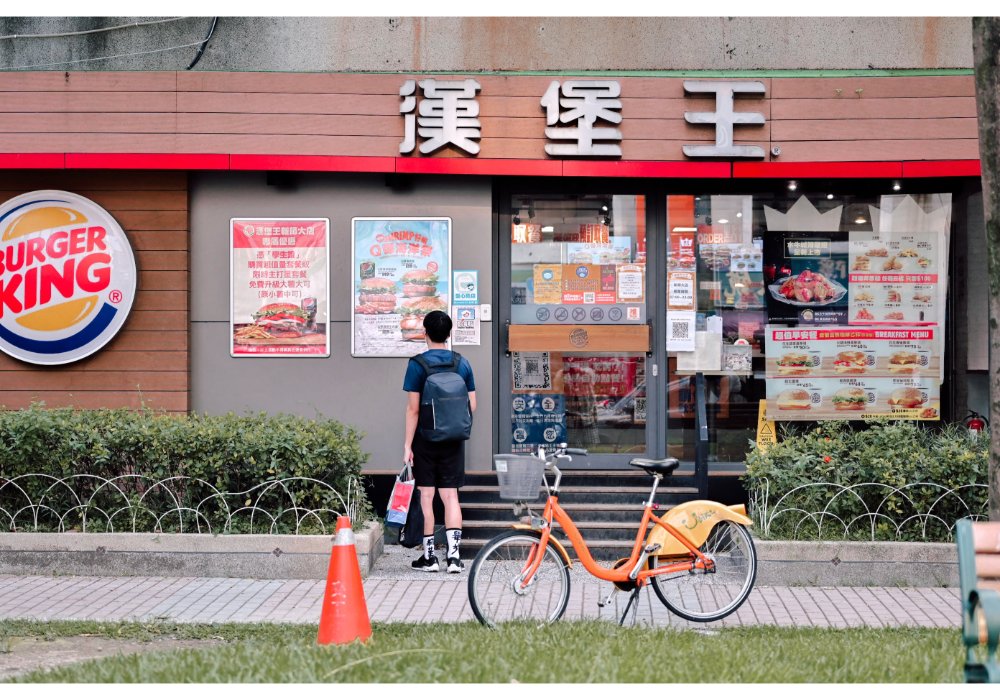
279 294
599 376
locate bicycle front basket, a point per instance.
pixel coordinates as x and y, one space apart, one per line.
519 476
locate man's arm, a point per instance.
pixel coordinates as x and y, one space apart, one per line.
472 401
412 415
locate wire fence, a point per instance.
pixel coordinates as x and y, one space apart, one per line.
869 511
136 503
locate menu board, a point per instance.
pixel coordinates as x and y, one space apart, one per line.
846 372
279 282
401 272
896 281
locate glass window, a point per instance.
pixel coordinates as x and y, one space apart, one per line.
578 259
596 401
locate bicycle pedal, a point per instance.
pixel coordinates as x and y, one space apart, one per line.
607 601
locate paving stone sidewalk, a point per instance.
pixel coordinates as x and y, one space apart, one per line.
394 594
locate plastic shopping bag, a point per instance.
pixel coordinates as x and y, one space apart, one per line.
399 501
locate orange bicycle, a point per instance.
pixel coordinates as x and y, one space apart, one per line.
699 557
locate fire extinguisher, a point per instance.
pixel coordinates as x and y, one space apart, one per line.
975 423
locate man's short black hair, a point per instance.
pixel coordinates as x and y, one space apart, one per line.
438 326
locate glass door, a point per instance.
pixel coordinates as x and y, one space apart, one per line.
576 326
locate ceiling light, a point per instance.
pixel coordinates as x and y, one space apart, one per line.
739 214
548 229
829 196
896 187
861 220
684 229
723 221
793 185
604 207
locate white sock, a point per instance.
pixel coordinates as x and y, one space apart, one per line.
429 546
454 540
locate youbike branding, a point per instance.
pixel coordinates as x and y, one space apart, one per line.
67 277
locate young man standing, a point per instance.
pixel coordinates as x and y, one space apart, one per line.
437 466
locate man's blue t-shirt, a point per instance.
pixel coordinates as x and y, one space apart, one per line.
416 376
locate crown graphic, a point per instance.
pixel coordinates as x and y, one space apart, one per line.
903 214
803 216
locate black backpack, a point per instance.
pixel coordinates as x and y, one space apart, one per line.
445 414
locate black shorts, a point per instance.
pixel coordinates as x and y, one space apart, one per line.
439 464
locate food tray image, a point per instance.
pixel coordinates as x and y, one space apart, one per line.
837 290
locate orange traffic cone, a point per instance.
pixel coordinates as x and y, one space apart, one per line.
344 616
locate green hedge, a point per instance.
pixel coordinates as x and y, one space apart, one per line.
266 464
907 482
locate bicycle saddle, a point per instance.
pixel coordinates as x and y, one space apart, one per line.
663 467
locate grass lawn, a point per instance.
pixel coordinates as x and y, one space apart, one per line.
571 652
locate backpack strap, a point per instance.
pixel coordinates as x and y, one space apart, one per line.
429 369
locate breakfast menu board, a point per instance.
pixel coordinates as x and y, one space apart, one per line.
847 372
896 281
401 272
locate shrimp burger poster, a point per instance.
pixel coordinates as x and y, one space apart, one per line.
401 272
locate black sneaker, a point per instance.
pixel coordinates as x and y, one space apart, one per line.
425 564
455 565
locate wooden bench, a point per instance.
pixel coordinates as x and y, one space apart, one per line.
979 577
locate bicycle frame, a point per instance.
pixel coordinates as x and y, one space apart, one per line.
631 570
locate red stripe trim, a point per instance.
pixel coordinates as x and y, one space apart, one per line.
486 166
646 168
942 168
148 161
862 169
344 164
33 160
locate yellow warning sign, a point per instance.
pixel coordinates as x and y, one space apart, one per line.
766 435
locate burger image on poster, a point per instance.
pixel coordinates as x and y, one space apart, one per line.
377 296
412 312
68 276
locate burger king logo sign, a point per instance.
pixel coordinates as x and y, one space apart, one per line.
67 277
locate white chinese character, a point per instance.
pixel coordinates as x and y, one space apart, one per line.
448 114
724 117
583 102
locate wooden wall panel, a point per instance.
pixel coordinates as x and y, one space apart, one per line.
147 362
353 115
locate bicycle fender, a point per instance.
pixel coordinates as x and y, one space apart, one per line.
552 540
695 519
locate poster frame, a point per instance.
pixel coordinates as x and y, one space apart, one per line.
448 259
232 289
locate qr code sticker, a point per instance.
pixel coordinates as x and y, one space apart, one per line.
680 330
532 370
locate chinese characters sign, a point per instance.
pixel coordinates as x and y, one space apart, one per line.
279 287
447 114
401 272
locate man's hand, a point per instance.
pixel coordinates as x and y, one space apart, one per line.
407 454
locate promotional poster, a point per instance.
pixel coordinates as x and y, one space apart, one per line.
401 269
279 287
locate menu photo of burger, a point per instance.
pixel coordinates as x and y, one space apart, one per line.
908 397
376 296
850 398
280 323
850 362
904 362
794 400
793 364
412 312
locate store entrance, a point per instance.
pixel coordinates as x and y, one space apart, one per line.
579 362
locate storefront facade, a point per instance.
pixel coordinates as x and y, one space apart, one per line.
625 233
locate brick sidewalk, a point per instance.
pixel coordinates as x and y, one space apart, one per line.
440 598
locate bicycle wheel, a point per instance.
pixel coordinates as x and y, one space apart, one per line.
495 591
702 596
